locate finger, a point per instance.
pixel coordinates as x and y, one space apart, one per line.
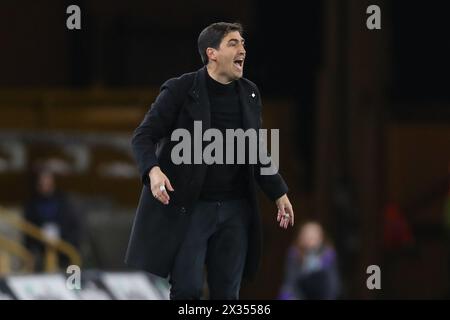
164 190
154 192
281 212
157 194
291 214
161 199
169 186
288 219
284 221
162 193
278 215
165 197
281 222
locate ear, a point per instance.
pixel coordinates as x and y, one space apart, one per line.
212 54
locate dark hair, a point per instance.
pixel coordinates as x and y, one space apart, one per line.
213 34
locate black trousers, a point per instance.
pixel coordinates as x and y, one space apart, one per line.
217 238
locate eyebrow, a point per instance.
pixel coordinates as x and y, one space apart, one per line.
236 40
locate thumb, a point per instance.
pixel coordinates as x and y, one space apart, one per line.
169 186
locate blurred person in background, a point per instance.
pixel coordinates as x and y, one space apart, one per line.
311 271
49 209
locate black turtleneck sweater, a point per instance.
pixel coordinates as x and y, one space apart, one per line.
224 181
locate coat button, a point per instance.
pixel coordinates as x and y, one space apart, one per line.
183 210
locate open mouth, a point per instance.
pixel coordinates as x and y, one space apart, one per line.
239 63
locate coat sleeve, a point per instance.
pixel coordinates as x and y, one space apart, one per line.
158 123
273 185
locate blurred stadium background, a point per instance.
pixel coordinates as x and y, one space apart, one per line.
364 120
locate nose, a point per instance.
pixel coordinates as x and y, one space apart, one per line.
242 49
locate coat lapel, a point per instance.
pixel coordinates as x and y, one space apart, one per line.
200 109
250 109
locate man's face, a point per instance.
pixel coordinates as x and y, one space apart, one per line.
230 56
